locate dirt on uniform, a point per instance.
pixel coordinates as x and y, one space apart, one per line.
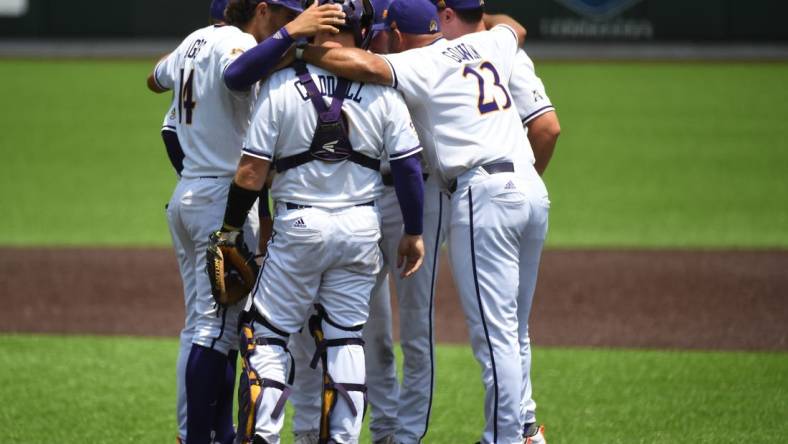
726 300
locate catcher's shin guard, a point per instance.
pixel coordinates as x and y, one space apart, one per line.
330 336
252 385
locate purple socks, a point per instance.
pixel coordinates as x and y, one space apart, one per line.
210 382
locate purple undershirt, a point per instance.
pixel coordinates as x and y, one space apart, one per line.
257 62
409 185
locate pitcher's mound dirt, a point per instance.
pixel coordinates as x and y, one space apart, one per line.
658 299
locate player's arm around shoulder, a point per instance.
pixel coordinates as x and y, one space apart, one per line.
355 64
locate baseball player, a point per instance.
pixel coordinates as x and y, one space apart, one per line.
175 154
211 123
401 412
325 136
458 91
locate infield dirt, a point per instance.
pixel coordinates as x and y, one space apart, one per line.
715 300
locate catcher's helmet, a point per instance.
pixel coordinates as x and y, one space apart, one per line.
359 17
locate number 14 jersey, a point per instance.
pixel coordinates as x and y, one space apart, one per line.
458 95
211 120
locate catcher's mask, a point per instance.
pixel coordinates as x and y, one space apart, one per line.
359 18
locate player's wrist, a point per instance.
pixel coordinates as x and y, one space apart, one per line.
239 202
287 34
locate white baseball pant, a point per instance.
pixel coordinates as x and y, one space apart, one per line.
329 257
498 228
195 210
405 410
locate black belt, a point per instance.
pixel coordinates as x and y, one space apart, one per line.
292 206
388 179
491 168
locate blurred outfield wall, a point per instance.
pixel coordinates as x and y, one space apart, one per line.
616 20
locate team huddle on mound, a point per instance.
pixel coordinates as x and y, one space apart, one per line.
382 130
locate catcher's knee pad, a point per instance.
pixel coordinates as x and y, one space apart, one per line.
252 385
341 351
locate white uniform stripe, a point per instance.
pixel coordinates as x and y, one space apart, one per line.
537 113
394 80
412 152
257 153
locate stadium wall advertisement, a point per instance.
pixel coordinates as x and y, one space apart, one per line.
602 20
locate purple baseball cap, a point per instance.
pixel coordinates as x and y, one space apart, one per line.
414 17
459 4
217 9
293 5
381 8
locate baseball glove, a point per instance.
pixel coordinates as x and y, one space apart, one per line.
231 267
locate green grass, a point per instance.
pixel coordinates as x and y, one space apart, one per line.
652 155
83 163
677 155
122 390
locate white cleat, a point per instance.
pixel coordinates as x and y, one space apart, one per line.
535 435
306 438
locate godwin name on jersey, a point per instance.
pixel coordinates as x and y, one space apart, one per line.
458 93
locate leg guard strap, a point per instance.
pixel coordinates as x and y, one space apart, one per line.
343 390
280 404
324 344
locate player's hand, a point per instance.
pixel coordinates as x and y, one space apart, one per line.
410 255
316 19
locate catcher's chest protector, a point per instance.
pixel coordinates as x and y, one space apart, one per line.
330 142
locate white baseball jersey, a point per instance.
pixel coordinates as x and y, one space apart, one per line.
458 93
212 120
528 91
284 122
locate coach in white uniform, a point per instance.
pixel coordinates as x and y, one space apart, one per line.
211 125
325 247
458 92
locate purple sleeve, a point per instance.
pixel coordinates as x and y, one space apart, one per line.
409 185
258 62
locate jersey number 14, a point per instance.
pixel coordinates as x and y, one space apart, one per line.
186 98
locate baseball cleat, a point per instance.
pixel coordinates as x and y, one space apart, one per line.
534 434
306 438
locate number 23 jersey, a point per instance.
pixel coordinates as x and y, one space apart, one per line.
212 120
458 94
